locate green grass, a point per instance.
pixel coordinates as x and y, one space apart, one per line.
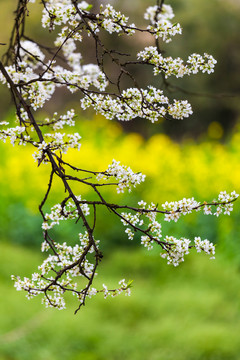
186 313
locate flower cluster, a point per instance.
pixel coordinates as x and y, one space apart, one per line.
65 211
39 92
43 282
145 215
177 67
65 260
176 251
56 142
175 209
153 14
160 22
225 204
124 287
14 134
149 104
53 142
131 219
63 120
31 54
178 248
203 63
61 12
165 30
132 103
36 92
173 249
114 21
205 246
180 109
124 176
81 79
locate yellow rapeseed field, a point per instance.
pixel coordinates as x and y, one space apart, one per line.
173 170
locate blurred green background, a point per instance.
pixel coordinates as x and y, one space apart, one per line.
187 313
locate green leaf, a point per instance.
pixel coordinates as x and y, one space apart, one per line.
89 7
129 284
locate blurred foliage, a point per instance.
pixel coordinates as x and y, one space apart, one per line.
173 171
208 26
190 312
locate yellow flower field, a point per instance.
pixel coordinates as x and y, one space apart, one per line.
173 170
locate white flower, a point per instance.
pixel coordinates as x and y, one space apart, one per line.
125 177
204 245
31 53
180 109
